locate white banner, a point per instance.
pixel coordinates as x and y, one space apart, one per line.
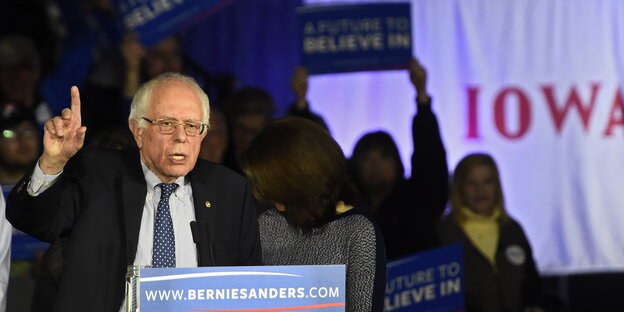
539 85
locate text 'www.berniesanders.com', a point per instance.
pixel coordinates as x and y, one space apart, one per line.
242 293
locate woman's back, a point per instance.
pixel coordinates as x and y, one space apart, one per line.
351 239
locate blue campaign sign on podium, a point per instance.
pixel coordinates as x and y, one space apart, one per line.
428 281
259 288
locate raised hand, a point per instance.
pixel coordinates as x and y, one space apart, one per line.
418 76
132 51
299 84
63 136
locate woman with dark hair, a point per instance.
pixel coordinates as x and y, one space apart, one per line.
500 273
406 209
378 167
295 165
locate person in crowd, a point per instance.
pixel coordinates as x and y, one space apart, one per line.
88 34
5 253
500 273
145 63
301 107
19 143
32 19
247 111
19 149
115 137
406 209
137 65
295 165
215 143
20 73
113 207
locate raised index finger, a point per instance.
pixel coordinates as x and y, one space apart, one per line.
75 106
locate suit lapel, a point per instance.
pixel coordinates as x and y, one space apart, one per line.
204 200
133 197
133 191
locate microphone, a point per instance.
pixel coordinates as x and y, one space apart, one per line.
198 233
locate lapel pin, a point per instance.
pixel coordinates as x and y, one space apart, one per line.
208 204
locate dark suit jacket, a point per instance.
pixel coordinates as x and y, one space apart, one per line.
96 207
512 284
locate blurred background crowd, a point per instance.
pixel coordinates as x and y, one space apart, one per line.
48 45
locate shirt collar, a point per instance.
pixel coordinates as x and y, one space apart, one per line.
152 180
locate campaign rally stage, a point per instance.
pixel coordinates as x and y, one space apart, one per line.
258 288
346 38
427 281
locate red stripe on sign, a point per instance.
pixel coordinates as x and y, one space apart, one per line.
311 307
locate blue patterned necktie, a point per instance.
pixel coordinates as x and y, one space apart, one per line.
163 253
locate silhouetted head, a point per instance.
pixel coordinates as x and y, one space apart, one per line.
248 111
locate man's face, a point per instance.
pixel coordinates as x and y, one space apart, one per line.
170 156
18 146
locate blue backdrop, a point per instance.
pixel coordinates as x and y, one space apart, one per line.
254 40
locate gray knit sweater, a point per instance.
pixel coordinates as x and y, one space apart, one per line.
351 239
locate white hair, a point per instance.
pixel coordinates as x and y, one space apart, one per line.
140 103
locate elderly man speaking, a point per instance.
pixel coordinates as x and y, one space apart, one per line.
114 209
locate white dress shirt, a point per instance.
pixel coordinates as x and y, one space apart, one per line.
182 213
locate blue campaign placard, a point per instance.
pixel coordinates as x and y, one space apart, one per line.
346 38
258 288
25 247
155 20
427 281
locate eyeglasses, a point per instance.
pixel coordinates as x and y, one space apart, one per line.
16 134
169 126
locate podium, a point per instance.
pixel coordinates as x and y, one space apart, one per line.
249 288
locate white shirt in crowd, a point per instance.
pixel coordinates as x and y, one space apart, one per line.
5 253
